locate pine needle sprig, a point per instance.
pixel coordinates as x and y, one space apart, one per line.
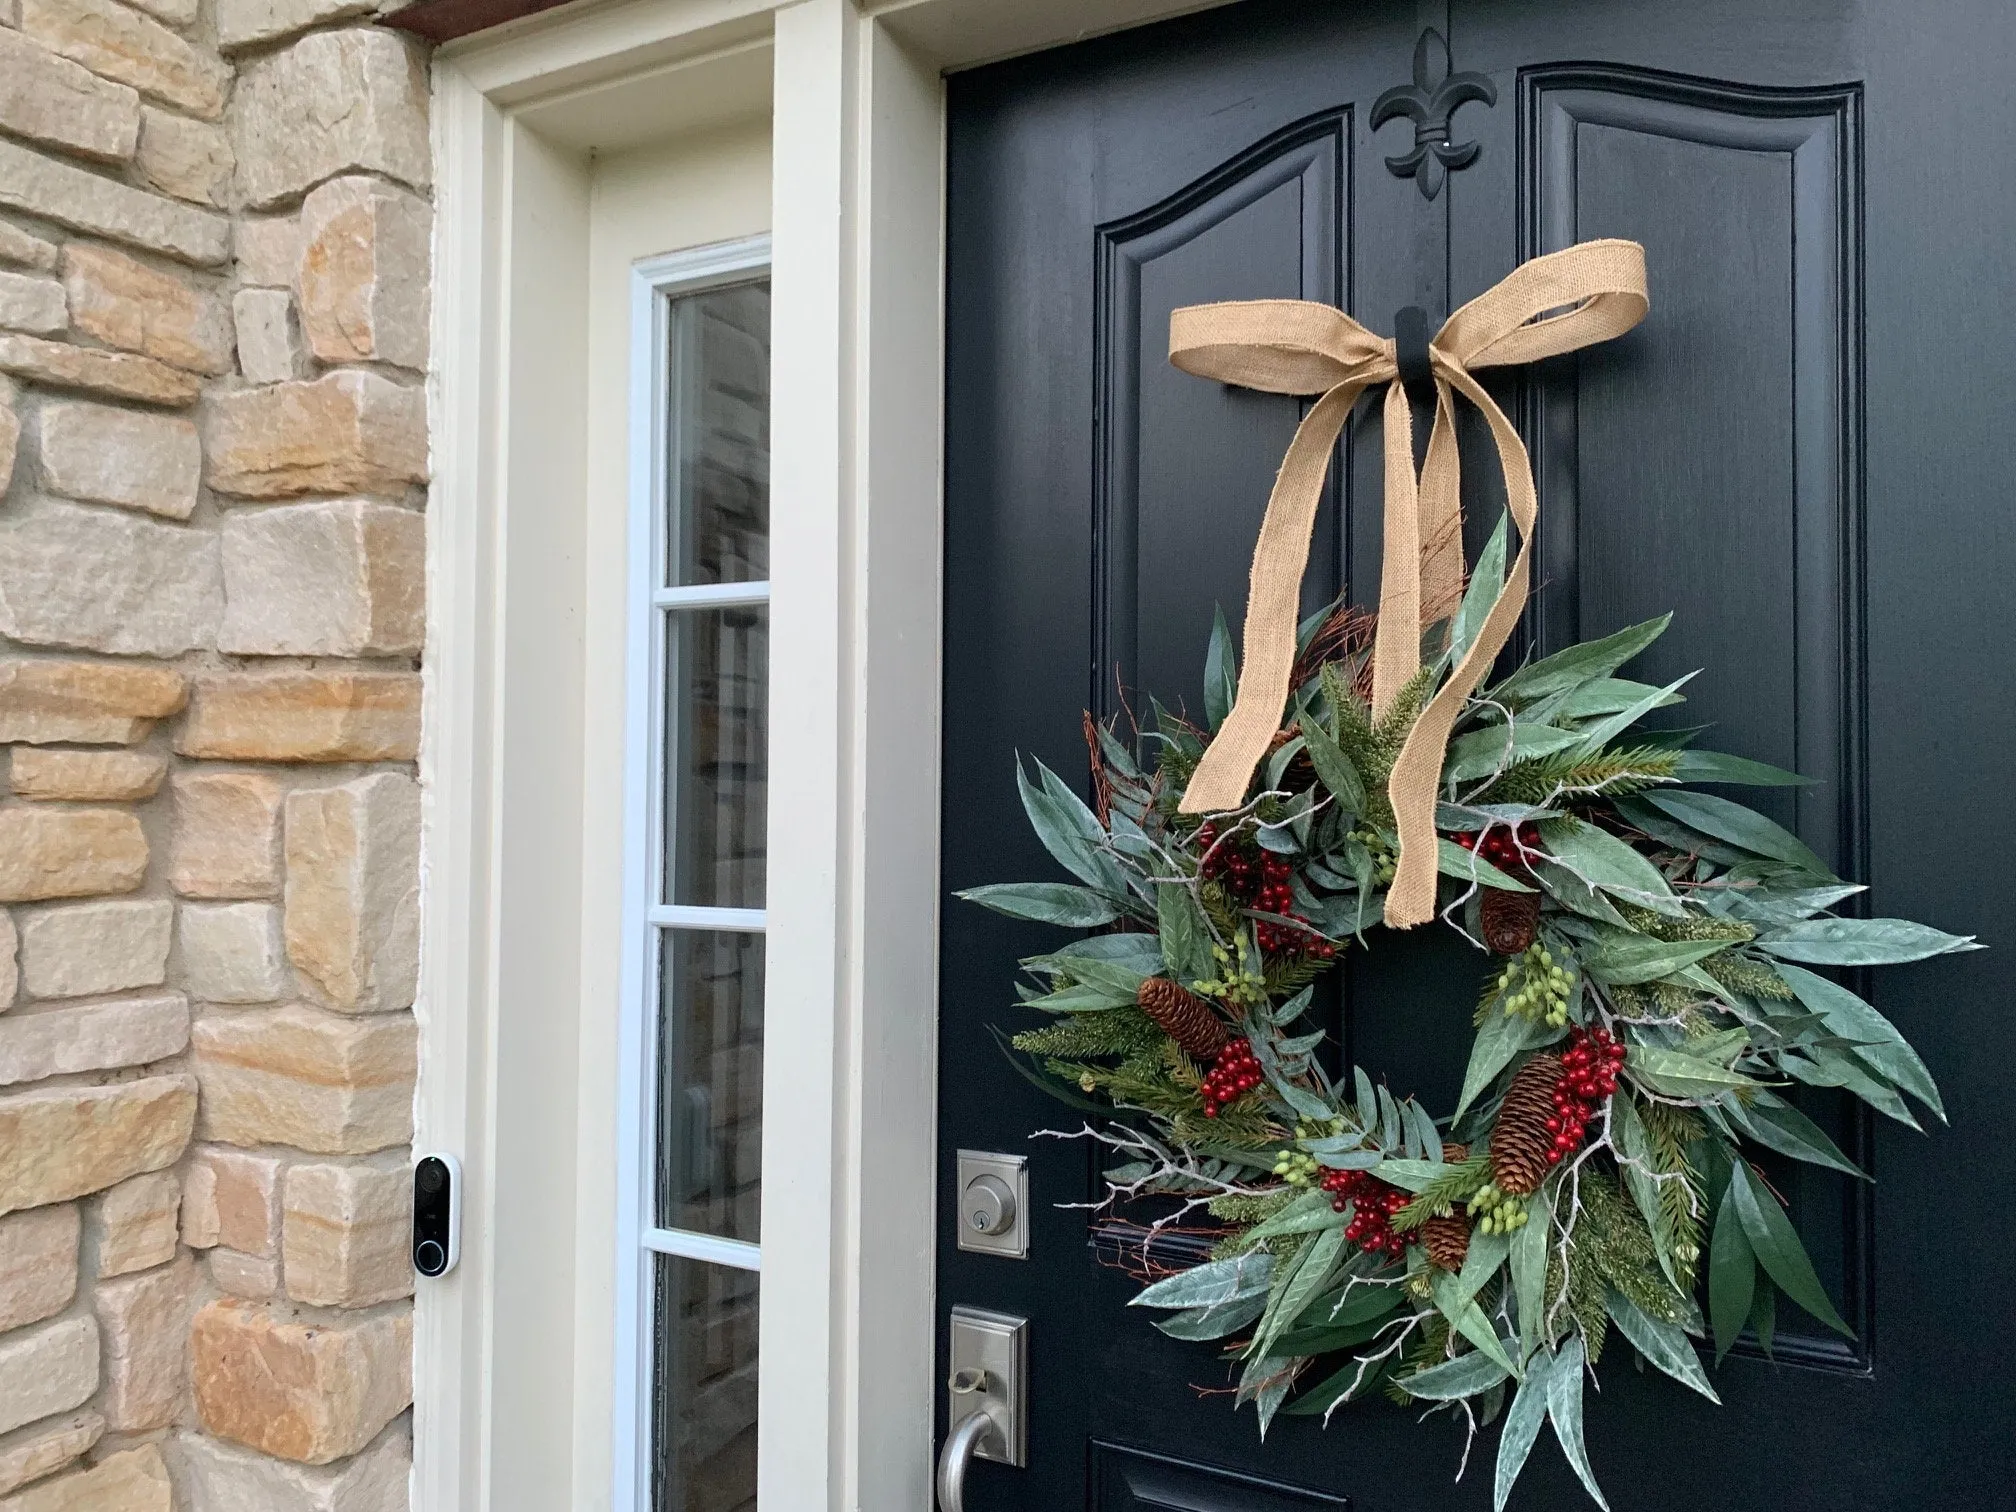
1610 773
1746 974
1439 1198
1113 1031
1374 744
1670 1131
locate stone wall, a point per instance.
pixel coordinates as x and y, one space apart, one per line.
214 228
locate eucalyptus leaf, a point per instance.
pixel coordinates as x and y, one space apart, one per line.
1777 1125
1501 1037
1304 1213
1564 1409
1468 1319
1732 1277
1777 1246
1410 1175
1452 1380
1221 673
1675 1073
1185 948
1522 1427
1069 830
1046 903
1861 942
1137 952
1599 859
1878 1041
1199 1324
1663 1345
1826 1066
1213 1284
1576 665
1634 1147
1714 766
1605 695
1486 579
1739 826
1494 748
1529 1268
1620 960
1599 734
1334 769
1670 832
1454 861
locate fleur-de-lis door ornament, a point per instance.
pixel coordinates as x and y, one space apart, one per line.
1429 102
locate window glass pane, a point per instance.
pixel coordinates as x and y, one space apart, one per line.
716 755
703 1397
718 530
710 1082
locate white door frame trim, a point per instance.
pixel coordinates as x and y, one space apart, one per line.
509 1409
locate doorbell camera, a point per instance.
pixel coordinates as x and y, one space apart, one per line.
437 1214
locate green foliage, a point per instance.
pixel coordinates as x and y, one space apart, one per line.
1564 774
1440 1196
1741 973
1250 1207
1373 745
1691 926
1670 1133
1115 1031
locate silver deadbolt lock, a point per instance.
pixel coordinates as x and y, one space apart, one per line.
993 1213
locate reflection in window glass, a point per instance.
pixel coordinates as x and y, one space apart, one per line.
710 1083
719 525
703 1397
716 755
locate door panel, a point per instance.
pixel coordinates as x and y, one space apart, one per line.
1800 453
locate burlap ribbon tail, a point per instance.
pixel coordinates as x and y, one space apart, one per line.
1584 294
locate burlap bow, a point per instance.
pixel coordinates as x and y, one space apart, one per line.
1553 304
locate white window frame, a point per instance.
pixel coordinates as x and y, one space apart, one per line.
654 283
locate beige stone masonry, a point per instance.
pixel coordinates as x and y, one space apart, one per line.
363 278
90 703
304 716
244 23
132 458
177 13
107 580
229 1479
231 952
91 948
49 775
65 1142
344 1234
38 1264
25 251
269 250
253 1277
300 1391
133 1480
10 435
346 578
188 159
50 99
93 1037
31 303
86 201
226 840
233 1199
353 879
333 101
136 1224
313 1080
69 853
117 375
144 1320
124 303
347 432
47 1370
47 1448
10 961
117 43
269 351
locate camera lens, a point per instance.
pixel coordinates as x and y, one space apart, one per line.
429 1258
430 1177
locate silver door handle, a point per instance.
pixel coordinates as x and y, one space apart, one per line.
960 1446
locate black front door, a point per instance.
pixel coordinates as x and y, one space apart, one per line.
1804 452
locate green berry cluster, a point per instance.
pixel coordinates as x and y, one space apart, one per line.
1502 1212
1296 1168
1233 984
1534 986
1384 862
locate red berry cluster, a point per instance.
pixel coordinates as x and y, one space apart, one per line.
1501 846
1233 1074
1260 879
1588 1075
1371 1226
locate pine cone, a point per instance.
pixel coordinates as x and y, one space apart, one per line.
1447 1240
1510 919
1183 1016
1519 1139
1454 1153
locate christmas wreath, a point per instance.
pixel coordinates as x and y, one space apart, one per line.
1650 999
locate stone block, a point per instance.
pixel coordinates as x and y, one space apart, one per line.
10 960
175 12
64 1142
188 159
117 43
25 251
119 456
333 102
69 853
233 1200
91 703
231 952
312 1080
31 303
48 1448
364 267
92 1037
245 23
226 839
126 304
119 375
49 775
38 1264
133 1480
347 432
306 1392
47 1370
144 1320
304 716
10 438
344 1234
48 98
345 578
91 948
137 1224
269 250
269 351
255 1278
226 1478
107 580
352 895
86 201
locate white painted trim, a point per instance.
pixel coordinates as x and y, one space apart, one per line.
687 1245
710 595
694 916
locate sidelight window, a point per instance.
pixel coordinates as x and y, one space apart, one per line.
699 768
